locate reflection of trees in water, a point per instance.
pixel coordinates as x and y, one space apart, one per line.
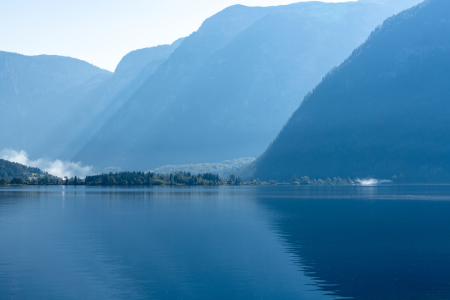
367 249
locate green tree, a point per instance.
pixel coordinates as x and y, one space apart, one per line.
18 180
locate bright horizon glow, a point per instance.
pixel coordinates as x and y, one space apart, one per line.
101 32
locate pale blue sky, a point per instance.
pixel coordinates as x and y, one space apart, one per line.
103 31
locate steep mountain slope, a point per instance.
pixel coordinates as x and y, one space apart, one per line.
383 112
35 90
93 109
230 86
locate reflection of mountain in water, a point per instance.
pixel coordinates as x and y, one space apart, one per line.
366 249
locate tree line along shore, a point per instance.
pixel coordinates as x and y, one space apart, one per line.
173 179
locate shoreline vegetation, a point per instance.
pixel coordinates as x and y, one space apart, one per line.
173 179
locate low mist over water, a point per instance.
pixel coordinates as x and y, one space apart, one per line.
55 167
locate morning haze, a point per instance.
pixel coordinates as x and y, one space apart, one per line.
242 73
221 150
101 32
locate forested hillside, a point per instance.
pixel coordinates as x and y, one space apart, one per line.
9 170
228 88
383 112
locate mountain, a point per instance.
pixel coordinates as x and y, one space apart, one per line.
383 112
9 170
227 90
78 125
36 90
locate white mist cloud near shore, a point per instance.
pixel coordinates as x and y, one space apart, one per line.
371 181
57 168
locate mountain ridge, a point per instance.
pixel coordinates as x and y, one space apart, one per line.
107 98
380 113
35 89
198 86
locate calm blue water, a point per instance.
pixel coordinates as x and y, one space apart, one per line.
390 242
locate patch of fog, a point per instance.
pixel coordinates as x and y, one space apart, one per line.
57 167
223 169
111 170
371 181
385 181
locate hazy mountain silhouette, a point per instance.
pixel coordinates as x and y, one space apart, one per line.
383 112
229 87
34 90
78 125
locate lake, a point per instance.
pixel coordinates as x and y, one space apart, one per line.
268 242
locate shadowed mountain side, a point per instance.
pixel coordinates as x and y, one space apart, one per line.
77 126
227 90
386 249
36 90
383 112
